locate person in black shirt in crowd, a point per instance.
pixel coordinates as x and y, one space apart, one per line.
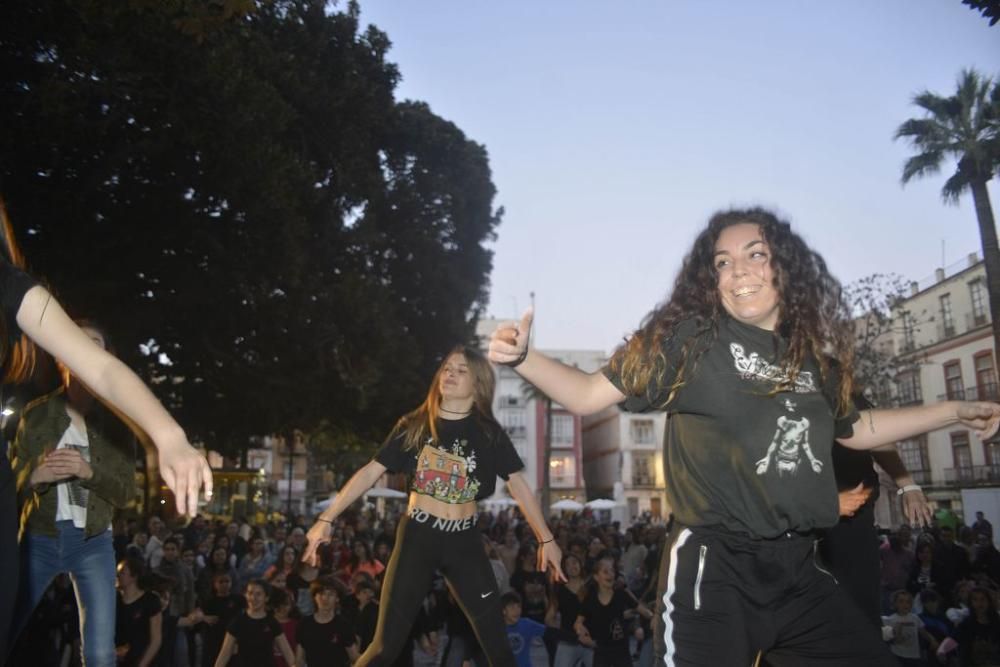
27 307
530 584
951 559
978 636
218 611
850 549
752 358
138 620
605 615
326 638
254 633
983 527
453 449
565 603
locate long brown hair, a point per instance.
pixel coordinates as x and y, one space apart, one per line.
18 358
420 423
812 312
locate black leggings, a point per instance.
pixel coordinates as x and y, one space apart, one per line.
425 543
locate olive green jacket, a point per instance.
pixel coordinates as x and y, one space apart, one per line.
111 458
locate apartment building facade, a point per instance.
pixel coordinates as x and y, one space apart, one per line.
943 341
626 447
524 414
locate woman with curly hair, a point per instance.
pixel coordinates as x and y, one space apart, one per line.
751 357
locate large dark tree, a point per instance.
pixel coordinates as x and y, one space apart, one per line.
233 186
964 127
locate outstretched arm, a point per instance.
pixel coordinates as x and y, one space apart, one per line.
882 427
549 553
183 468
360 482
580 393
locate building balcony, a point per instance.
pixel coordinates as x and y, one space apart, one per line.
982 392
562 481
643 480
987 475
975 321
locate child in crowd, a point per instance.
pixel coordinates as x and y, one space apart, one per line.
326 638
933 616
907 631
255 633
171 625
521 632
604 616
218 611
281 605
979 635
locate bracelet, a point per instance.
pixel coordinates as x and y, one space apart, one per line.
551 539
319 518
908 488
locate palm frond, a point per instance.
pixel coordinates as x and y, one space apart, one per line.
955 186
922 164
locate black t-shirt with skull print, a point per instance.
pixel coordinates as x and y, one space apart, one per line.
461 466
738 455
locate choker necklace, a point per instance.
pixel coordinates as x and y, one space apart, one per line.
453 412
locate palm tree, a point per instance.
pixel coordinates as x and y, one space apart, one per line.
964 127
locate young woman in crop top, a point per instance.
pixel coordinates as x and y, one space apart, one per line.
452 449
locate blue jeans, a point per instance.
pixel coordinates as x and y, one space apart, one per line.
90 564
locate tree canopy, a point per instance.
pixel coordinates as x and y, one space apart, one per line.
275 241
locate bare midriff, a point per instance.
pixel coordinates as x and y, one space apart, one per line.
440 509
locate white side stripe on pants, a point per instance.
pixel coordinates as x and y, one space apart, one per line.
668 607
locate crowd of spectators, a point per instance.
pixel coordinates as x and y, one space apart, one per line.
184 593
939 595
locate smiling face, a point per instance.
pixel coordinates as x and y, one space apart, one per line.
256 597
745 278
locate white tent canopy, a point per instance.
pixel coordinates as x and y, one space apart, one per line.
601 504
567 505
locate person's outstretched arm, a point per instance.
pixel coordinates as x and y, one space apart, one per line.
888 425
183 468
360 482
580 393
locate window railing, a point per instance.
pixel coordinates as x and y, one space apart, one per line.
643 480
562 481
985 474
989 391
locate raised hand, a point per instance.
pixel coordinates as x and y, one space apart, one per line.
509 342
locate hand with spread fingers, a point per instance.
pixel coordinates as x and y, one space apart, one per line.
916 508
